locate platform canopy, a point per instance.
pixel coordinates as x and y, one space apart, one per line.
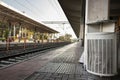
114 9
75 12
11 14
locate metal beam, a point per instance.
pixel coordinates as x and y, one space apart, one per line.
55 22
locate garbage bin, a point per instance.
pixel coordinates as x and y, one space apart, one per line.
101 53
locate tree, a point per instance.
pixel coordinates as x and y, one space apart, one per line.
61 38
67 37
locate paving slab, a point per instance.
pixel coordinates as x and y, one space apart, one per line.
24 69
66 67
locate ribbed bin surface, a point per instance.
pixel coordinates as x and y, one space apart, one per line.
101 54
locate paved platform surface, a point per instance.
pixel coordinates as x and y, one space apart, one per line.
58 64
22 70
66 67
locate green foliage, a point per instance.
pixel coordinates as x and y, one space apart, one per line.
41 36
61 38
67 37
45 37
6 33
2 39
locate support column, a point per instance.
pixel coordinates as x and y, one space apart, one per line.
98 33
20 33
38 37
81 36
9 37
25 37
96 10
55 37
118 42
48 37
45 37
42 37
35 38
52 37
14 31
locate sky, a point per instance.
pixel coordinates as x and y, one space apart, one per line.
43 10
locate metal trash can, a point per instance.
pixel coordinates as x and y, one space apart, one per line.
101 53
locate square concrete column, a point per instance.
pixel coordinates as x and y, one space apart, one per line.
99 31
96 10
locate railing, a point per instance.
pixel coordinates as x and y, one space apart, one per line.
101 54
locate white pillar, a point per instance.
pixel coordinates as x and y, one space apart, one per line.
14 32
96 10
42 37
20 33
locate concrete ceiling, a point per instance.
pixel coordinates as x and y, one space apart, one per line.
74 10
114 9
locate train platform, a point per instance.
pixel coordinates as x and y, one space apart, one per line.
21 48
58 64
66 67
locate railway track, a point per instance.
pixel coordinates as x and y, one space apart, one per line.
9 61
15 59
